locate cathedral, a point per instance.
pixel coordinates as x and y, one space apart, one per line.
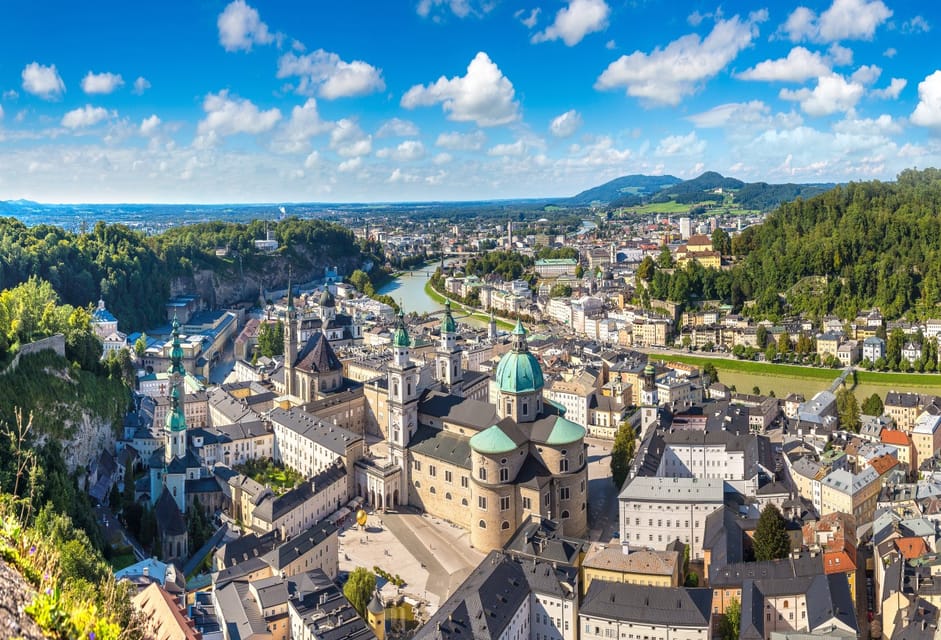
486 466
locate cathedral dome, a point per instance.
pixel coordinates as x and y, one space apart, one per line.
519 371
327 299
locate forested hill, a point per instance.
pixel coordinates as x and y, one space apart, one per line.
876 243
133 272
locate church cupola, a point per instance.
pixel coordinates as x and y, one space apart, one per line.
519 380
400 342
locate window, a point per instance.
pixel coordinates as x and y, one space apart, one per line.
463 502
464 481
525 408
482 473
564 493
447 476
504 474
547 499
482 502
482 524
505 525
447 496
565 515
432 490
504 503
563 465
527 503
432 471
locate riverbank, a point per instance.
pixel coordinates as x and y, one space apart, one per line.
457 306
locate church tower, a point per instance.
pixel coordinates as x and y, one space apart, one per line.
175 426
290 344
449 370
519 381
648 398
328 308
492 327
403 401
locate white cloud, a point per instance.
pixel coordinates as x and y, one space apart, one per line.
892 91
240 27
883 125
227 116
928 111
312 160
688 145
866 74
1 112
101 82
442 158
695 18
460 8
831 95
799 65
400 176
86 116
42 81
577 20
305 122
483 95
610 45
566 124
890 53
350 165
664 76
840 55
349 140
916 25
734 113
330 77
514 149
461 141
10 94
397 127
528 21
148 126
844 20
141 85
406 151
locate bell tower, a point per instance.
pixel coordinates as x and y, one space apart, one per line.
290 344
403 400
448 366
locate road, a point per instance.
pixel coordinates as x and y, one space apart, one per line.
113 531
602 494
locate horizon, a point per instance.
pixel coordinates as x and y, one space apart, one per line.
456 100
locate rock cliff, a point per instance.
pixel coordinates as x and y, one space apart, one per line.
15 594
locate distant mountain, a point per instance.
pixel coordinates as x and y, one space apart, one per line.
636 186
637 190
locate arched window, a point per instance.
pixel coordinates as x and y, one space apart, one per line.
785 604
432 490
504 474
482 524
505 525
565 514
417 484
482 473
463 502
447 496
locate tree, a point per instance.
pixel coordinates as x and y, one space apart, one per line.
560 290
665 259
847 409
359 588
271 339
761 334
622 453
140 345
784 343
721 242
756 390
872 406
771 539
646 269
731 622
198 526
579 271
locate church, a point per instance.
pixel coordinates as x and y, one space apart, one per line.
486 466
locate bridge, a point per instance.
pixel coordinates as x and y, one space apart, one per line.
841 379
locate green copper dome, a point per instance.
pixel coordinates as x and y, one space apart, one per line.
176 421
649 370
565 431
492 441
519 371
447 324
400 337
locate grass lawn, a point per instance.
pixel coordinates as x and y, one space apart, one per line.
278 478
123 560
784 379
457 306
664 207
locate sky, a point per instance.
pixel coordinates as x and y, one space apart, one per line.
204 101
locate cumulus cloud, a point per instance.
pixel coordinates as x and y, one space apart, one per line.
82 117
42 81
831 95
227 116
844 20
330 77
350 165
530 20
866 74
397 127
461 141
460 8
916 25
688 145
799 65
483 95
840 55
566 124
141 85
240 27
928 111
892 91
890 53
664 76
349 140
574 22
514 149
295 134
101 82
406 151
732 113
148 126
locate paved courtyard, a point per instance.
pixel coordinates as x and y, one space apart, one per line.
602 494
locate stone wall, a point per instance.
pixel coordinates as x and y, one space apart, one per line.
56 343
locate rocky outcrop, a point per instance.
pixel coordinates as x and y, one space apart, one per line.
90 436
15 594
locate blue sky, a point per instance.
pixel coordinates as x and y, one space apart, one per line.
389 100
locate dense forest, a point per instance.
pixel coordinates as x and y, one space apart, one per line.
132 272
854 247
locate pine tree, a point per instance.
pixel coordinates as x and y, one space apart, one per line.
872 406
771 539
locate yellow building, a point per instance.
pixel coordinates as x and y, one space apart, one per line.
616 563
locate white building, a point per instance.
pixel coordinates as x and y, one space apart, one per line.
656 511
622 610
310 446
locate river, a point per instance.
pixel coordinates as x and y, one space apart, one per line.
409 291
